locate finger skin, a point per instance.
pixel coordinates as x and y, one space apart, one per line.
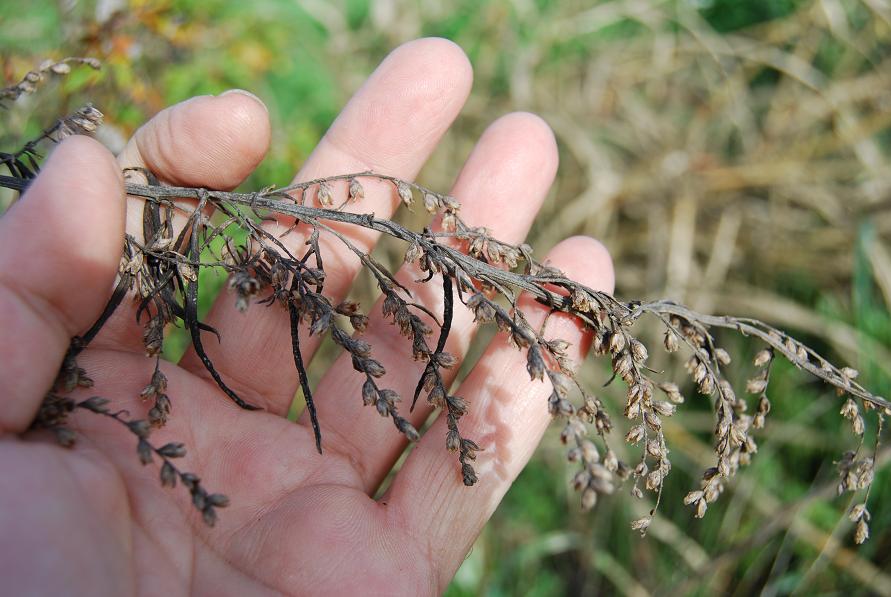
208 141
59 250
507 416
390 126
501 186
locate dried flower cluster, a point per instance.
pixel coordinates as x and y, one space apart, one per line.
481 273
57 405
47 69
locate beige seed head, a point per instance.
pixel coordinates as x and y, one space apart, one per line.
756 386
404 191
862 532
763 357
641 524
671 341
357 192
857 512
617 342
589 499
324 195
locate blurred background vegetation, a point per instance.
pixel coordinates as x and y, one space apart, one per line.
732 154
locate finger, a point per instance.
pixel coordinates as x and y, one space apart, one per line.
390 126
501 186
208 141
507 416
60 245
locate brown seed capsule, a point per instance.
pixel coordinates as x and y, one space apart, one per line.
654 448
693 496
671 341
580 480
849 409
862 532
623 366
701 507
707 385
641 524
407 429
635 434
666 409
652 420
616 342
369 393
858 425
722 356
431 203
357 192
535 364
168 475
144 450
763 357
404 191
449 221
589 499
849 373
324 195
589 451
756 386
639 351
580 301
654 480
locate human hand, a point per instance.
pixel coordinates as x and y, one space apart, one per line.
92 521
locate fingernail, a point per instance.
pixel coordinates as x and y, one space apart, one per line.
248 94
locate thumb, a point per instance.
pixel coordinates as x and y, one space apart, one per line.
60 246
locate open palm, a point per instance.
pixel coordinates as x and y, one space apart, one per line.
92 521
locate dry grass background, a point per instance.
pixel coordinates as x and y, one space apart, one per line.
732 155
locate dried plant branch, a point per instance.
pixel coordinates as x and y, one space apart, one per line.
161 274
54 413
22 163
165 268
47 68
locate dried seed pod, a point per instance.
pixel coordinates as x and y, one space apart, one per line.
638 351
535 364
857 512
324 195
861 534
756 386
763 357
617 342
701 506
671 341
589 499
404 191
635 434
642 524
665 409
357 191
